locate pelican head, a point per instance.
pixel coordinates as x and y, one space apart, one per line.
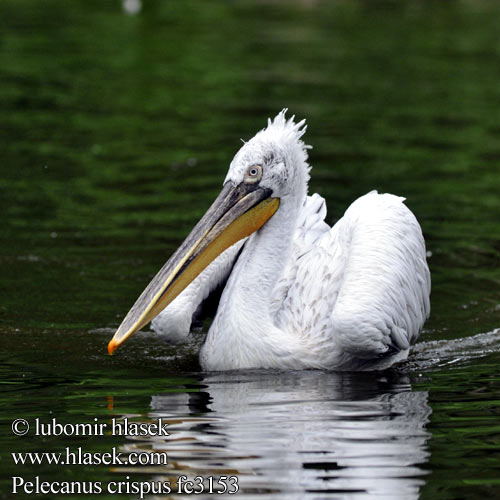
280 158
269 170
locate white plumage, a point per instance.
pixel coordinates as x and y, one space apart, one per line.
304 295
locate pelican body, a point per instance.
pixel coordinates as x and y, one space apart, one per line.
299 294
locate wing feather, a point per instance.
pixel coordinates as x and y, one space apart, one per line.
383 299
360 289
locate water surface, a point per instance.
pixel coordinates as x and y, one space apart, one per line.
116 132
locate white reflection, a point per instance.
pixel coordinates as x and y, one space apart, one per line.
132 7
300 435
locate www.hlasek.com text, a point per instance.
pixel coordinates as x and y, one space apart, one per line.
81 457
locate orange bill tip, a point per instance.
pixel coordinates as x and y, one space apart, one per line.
112 346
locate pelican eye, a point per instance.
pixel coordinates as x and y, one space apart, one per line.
253 174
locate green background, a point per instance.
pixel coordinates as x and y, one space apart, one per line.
116 131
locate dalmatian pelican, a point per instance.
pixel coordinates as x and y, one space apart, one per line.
298 294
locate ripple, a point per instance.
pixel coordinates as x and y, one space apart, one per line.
440 353
297 434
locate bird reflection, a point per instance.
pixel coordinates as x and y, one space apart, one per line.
299 434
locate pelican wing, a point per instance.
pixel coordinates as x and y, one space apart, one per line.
174 322
383 294
361 288
290 291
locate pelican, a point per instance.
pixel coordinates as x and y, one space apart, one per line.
298 293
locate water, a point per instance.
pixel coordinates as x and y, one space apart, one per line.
117 126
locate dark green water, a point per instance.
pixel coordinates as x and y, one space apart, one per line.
116 131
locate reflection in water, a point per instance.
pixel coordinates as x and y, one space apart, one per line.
299 435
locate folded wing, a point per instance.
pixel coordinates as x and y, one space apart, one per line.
361 289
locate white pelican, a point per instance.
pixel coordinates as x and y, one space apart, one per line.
299 294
